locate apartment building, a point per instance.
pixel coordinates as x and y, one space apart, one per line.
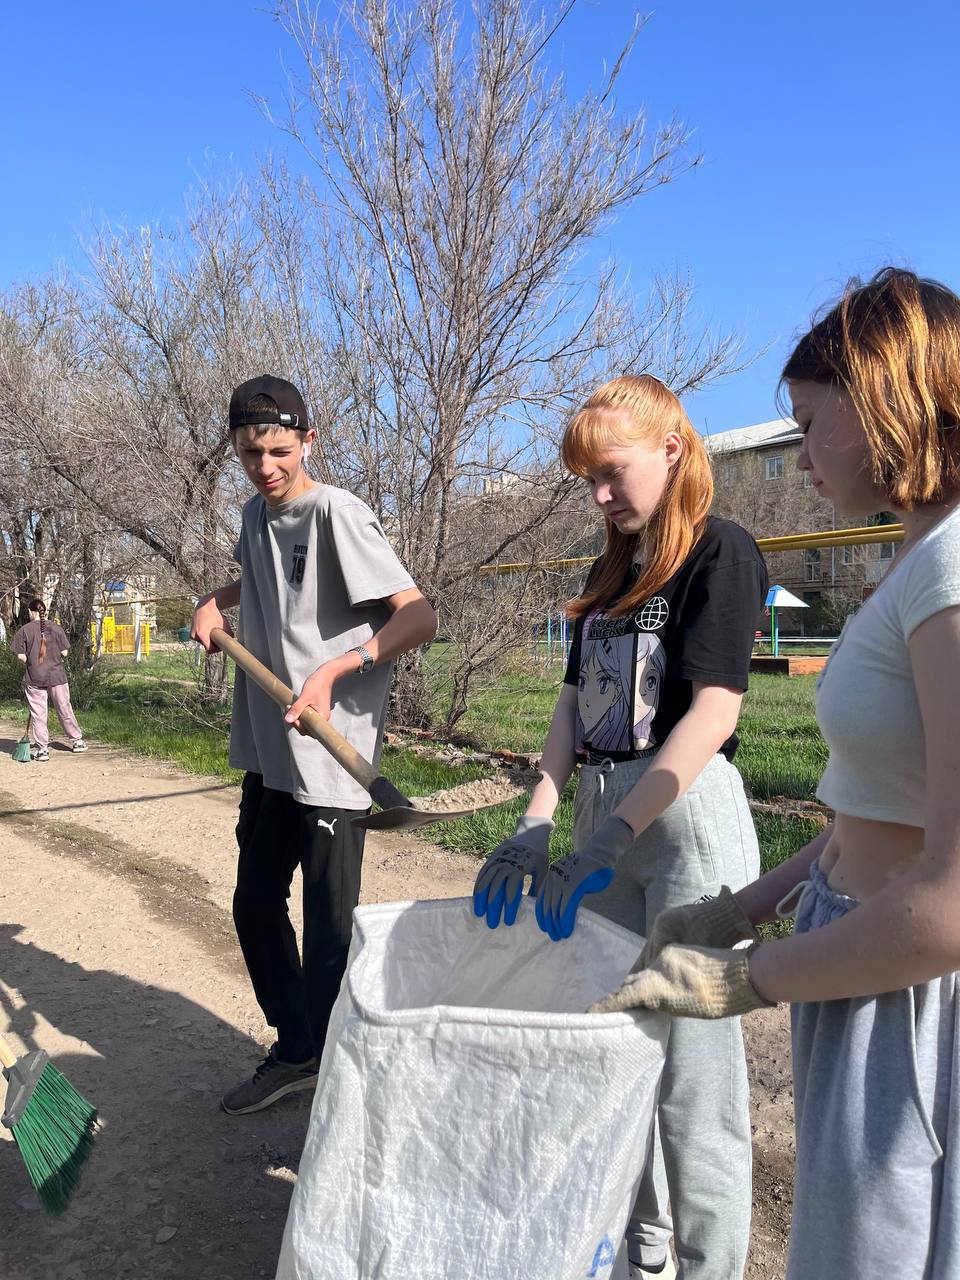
758 484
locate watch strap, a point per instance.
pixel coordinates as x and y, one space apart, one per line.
366 659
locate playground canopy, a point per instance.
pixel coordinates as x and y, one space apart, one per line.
780 598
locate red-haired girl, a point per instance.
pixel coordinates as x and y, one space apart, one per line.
658 667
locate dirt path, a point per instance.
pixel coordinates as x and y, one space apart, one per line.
117 954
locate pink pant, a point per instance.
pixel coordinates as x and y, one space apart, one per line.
37 702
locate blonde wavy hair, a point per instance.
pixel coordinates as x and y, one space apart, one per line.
640 410
893 345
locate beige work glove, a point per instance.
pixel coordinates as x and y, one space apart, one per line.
689 982
716 922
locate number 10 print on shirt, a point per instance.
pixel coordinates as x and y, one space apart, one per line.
621 670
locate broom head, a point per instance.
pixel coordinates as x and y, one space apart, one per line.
52 1125
21 752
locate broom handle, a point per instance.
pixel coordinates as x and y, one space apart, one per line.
25 738
7 1056
360 770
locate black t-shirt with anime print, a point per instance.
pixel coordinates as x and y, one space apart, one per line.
635 674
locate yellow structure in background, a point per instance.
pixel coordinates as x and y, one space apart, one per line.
120 639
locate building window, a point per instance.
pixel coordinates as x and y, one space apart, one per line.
773 467
851 555
811 565
728 473
888 550
807 480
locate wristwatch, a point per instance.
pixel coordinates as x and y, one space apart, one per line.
366 663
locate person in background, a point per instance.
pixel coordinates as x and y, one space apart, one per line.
42 646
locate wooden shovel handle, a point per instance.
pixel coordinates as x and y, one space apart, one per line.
7 1056
360 770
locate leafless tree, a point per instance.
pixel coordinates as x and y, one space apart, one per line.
767 508
457 192
433 285
124 396
48 541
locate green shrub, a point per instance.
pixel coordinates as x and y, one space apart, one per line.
87 683
172 614
11 675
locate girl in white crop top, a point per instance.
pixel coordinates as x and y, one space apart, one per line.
871 970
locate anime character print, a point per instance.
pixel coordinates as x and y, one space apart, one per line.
621 670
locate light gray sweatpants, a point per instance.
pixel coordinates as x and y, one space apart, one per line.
701 1160
877 1105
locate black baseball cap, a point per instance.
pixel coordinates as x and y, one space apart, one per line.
288 411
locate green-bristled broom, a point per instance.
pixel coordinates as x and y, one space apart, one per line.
52 1125
21 752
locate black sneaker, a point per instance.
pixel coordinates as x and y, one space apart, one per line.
273 1079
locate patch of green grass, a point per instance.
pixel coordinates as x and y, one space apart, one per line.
161 722
481 832
512 714
515 716
177 663
153 720
769 694
780 838
781 750
781 754
417 775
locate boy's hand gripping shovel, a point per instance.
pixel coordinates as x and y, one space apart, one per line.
396 809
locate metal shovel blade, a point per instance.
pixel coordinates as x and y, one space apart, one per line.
397 813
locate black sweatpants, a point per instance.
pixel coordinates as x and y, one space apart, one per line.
276 834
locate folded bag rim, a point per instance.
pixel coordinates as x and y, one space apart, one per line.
613 1025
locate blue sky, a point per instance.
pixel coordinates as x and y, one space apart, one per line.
829 133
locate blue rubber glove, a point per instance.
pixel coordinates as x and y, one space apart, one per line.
499 886
588 870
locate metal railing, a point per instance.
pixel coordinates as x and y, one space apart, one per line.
788 542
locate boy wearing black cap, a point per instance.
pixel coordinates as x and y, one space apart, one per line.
326 604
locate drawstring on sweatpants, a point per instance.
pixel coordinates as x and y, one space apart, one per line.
796 893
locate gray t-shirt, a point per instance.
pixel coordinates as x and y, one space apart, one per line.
314 574
49 673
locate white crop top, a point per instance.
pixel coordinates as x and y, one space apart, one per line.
867 705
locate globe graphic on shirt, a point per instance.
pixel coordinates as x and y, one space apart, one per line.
653 614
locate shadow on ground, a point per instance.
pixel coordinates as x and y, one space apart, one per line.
175 1187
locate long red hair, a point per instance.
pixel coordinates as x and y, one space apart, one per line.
640 410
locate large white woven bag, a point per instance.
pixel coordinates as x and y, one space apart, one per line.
471 1121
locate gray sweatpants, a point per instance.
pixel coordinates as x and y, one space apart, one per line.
701 1159
877 1103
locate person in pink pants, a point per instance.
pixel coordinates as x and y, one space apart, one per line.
42 646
